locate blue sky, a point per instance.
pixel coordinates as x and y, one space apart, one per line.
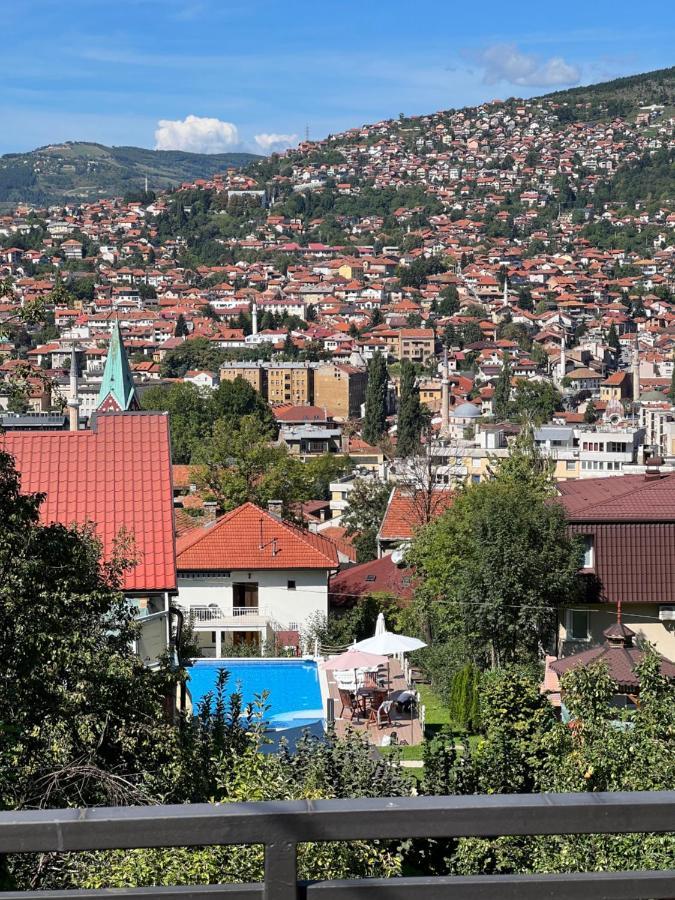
216 75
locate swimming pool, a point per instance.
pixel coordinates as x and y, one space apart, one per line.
294 699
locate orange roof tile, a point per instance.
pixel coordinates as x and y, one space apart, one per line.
118 475
251 538
405 514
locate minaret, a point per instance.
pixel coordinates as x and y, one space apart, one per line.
562 368
254 318
73 399
445 395
636 372
505 296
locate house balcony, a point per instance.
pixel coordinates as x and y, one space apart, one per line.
207 618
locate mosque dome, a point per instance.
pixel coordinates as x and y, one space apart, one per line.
466 411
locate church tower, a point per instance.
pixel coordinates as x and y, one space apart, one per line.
117 393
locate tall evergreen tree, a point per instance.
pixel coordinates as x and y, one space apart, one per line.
613 339
375 421
502 402
181 329
409 412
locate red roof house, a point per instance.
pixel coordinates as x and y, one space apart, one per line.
252 538
407 511
116 476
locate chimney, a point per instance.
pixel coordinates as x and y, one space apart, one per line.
210 511
652 468
275 507
73 398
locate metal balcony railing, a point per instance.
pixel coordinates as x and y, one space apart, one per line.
281 826
214 615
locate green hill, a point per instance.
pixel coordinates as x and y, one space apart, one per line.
82 171
619 97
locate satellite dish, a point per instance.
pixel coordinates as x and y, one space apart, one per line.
398 557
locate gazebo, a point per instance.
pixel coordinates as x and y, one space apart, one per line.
620 656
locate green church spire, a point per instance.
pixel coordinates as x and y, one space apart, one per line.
117 388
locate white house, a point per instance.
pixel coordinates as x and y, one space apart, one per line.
250 578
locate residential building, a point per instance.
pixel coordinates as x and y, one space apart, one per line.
118 477
249 576
627 526
254 373
416 344
289 382
408 510
341 389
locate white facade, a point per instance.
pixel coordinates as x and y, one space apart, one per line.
250 606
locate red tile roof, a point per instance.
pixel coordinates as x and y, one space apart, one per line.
632 522
118 475
377 576
338 535
620 659
251 538
405 512
624 497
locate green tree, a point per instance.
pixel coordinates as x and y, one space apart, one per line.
497 564
242 465
195 353
526 749
613 339
536 401
448 303
502 395
367 505
590 413
233 399
470 333
189 417
88 719
181 329
410 412
375 421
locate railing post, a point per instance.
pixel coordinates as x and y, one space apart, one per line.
281 871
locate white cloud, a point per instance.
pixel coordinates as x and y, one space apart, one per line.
275 143
197 134
505 62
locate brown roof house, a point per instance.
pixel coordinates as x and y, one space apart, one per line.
627 525
618 653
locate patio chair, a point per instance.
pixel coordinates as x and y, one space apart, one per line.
345 681
383 714
349 702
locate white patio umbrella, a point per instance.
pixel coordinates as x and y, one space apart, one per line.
380 626
387 643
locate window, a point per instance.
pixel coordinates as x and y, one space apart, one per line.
290 585
371 577
589 556
578 625
570 465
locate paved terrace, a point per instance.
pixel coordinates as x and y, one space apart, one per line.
407 731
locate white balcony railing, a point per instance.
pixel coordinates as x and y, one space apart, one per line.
209 616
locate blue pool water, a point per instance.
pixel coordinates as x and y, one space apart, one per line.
294 699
